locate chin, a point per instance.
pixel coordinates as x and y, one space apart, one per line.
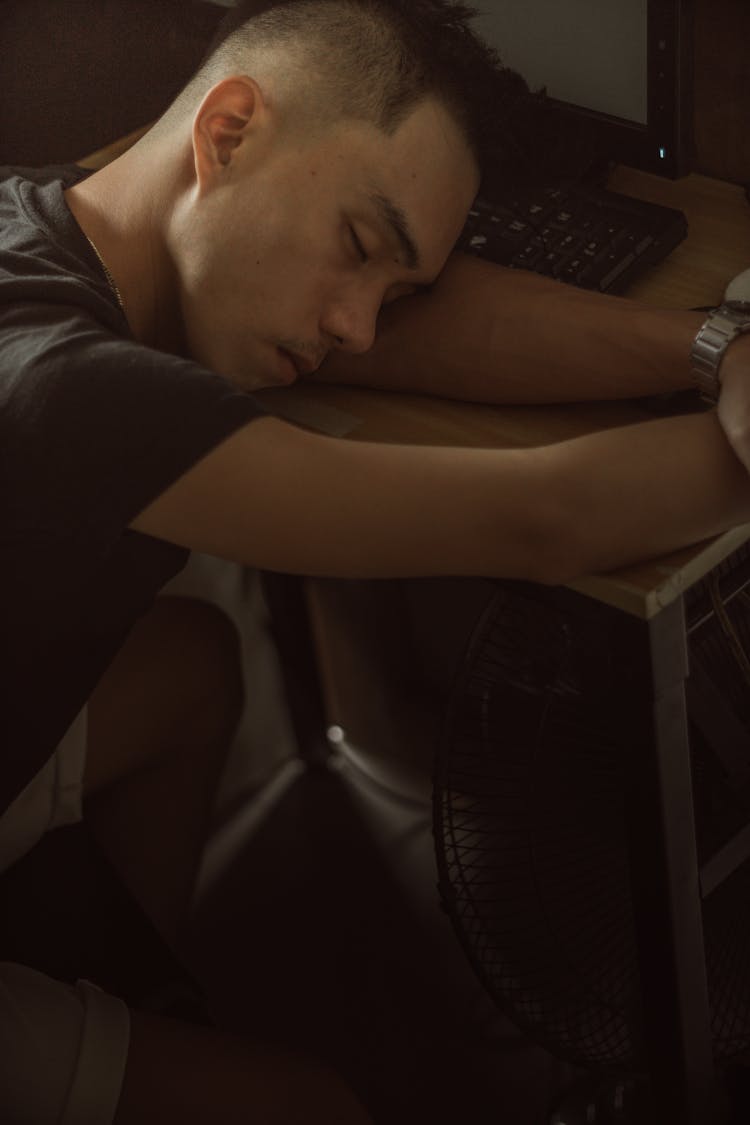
245 380
243 375
253 382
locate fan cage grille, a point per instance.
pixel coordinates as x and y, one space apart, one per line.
530 829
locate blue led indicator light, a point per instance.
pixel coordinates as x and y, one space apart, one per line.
663 153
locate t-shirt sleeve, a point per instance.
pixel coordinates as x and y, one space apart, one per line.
95 427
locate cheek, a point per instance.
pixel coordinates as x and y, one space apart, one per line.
243 294
213 315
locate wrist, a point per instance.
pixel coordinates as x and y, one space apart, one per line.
718 338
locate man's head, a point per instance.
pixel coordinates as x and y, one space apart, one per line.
373 61
335 148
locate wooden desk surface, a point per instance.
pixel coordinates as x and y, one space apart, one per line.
696 274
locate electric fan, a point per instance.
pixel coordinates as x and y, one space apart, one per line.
530 829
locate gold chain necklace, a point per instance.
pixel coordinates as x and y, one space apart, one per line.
108 276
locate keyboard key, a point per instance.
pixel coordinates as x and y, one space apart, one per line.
617 271
592 249
477 242
528 258
516 228
637 235
644 244
568 244
587 278
572 270
586 224
551 264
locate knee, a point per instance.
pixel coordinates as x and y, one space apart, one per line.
174 687
179 1072
203 665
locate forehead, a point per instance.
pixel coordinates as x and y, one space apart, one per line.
430 150
420 181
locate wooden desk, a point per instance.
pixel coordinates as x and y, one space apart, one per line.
647 627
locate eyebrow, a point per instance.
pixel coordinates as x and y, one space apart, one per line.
392 215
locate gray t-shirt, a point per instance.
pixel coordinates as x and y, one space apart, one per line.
93 427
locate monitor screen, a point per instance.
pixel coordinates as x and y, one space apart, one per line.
623 63
589 53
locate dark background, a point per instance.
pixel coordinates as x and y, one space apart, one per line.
78 74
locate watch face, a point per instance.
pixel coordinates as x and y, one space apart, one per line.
740 308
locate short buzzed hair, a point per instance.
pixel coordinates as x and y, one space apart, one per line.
377 60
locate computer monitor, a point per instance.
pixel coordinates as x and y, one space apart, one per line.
624 65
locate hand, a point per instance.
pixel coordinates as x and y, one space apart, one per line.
734 400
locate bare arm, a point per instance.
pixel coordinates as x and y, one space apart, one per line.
486 333
282 498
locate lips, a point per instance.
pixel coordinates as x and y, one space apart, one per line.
287 367
302 365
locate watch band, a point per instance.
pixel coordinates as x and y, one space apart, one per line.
723 326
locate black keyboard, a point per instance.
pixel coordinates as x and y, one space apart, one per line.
584 236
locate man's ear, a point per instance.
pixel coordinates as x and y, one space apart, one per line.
230 111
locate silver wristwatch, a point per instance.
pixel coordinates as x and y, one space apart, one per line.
723 325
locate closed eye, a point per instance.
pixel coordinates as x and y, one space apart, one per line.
399 291
361 252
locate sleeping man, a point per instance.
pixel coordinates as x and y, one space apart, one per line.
292 215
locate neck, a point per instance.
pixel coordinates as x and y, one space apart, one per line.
119 209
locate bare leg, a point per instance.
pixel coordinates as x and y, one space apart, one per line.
160 722
178 1072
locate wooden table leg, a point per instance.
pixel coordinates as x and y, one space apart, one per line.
664 869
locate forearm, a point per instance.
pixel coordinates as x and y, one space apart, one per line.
285 499
644 490
489 334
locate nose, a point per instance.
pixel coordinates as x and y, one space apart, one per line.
351 319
